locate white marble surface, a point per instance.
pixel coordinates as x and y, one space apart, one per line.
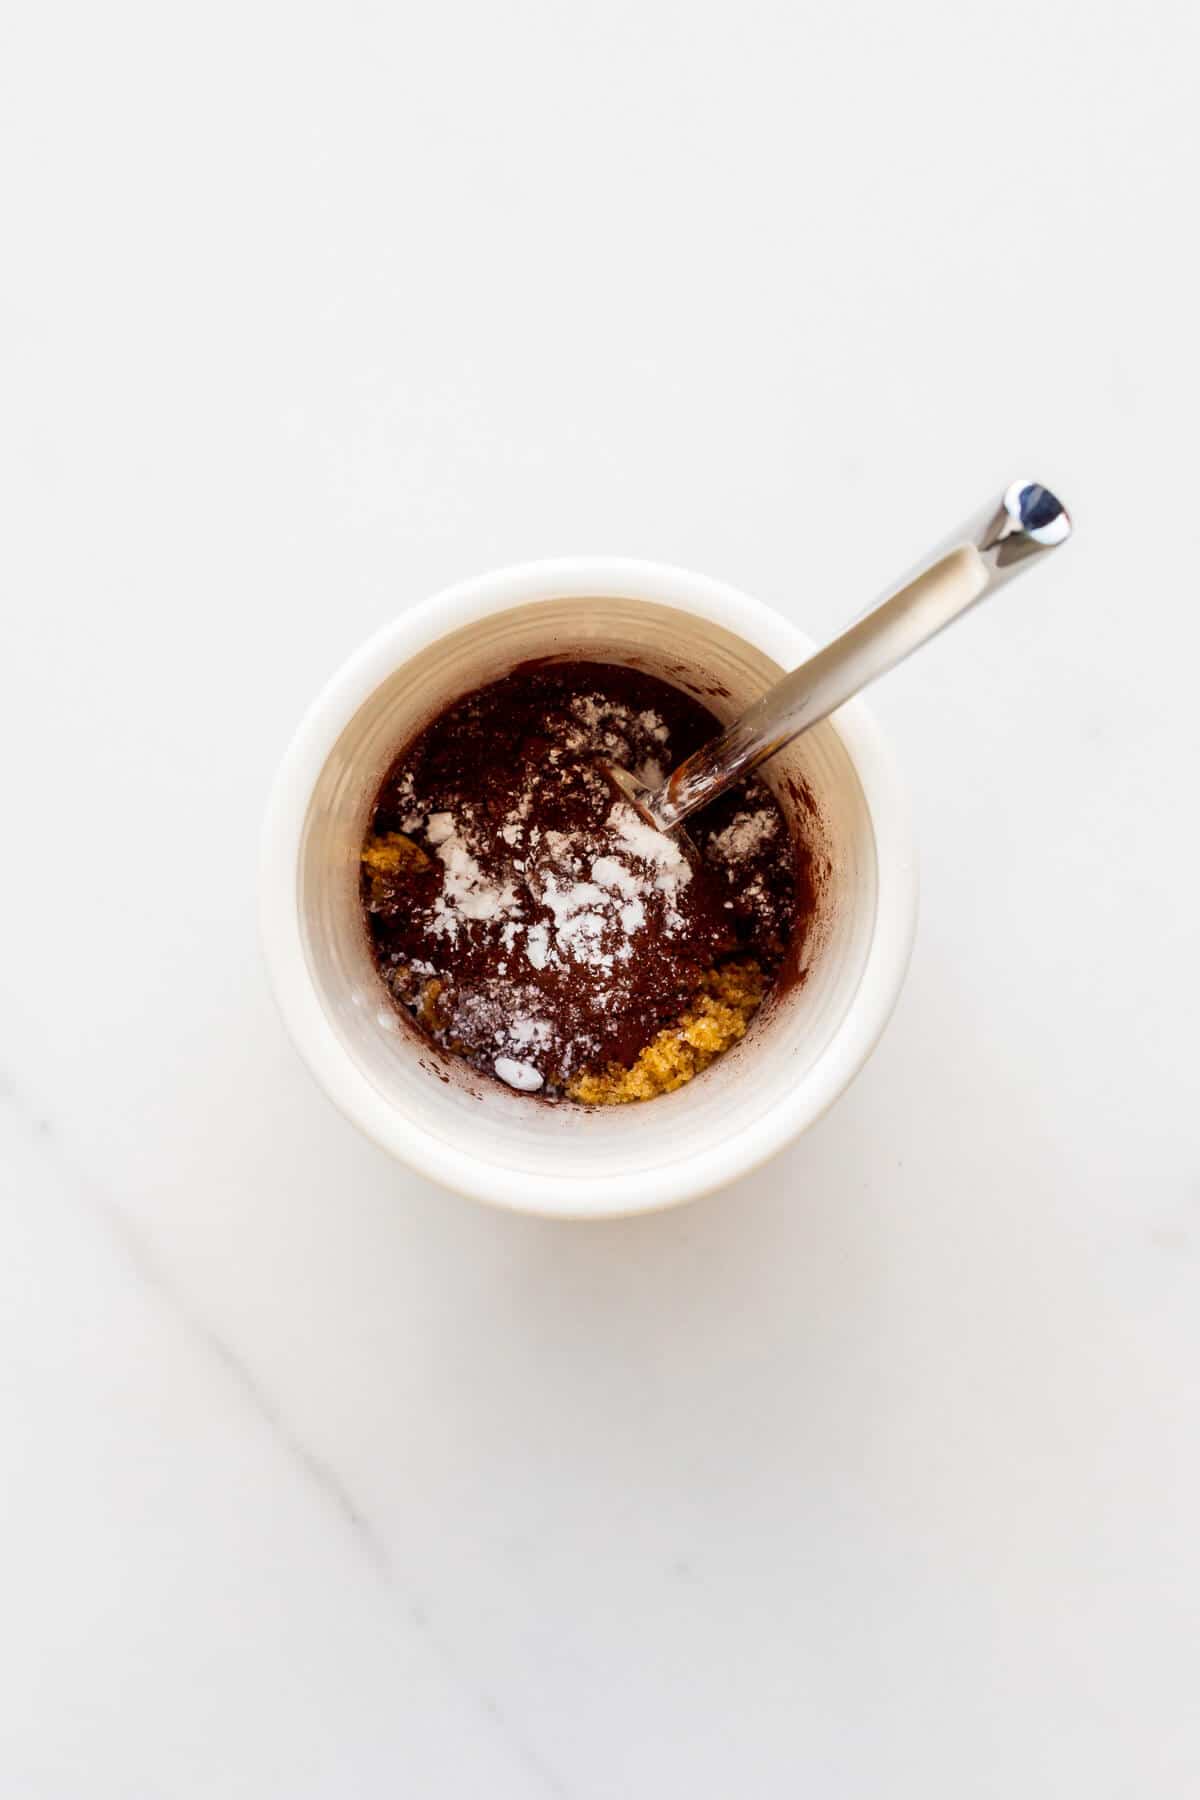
877 1475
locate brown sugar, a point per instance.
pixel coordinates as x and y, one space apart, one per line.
392 853
716 1019
387 856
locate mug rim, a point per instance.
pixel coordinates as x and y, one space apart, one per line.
304 1016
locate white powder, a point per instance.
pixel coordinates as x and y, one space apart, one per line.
595 711
655 847
592 708
537 945
530 1031
580 919
633 917
582 938
465 891
593 920
610 873
522 1076
411 818
608 722
744 834
565 902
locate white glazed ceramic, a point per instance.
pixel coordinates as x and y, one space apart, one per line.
433 1112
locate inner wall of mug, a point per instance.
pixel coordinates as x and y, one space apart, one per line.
437 1094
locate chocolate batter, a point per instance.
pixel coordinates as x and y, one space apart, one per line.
534 924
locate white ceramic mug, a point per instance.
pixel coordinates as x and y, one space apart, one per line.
803 1047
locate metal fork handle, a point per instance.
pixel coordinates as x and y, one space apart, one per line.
1001 541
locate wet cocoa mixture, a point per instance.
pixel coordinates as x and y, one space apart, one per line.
531 922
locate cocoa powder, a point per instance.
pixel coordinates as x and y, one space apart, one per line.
528 919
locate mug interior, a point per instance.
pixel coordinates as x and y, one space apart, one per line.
433 1096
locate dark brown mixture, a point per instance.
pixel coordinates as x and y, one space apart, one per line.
533 923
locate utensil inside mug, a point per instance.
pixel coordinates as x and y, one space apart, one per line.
1004 539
